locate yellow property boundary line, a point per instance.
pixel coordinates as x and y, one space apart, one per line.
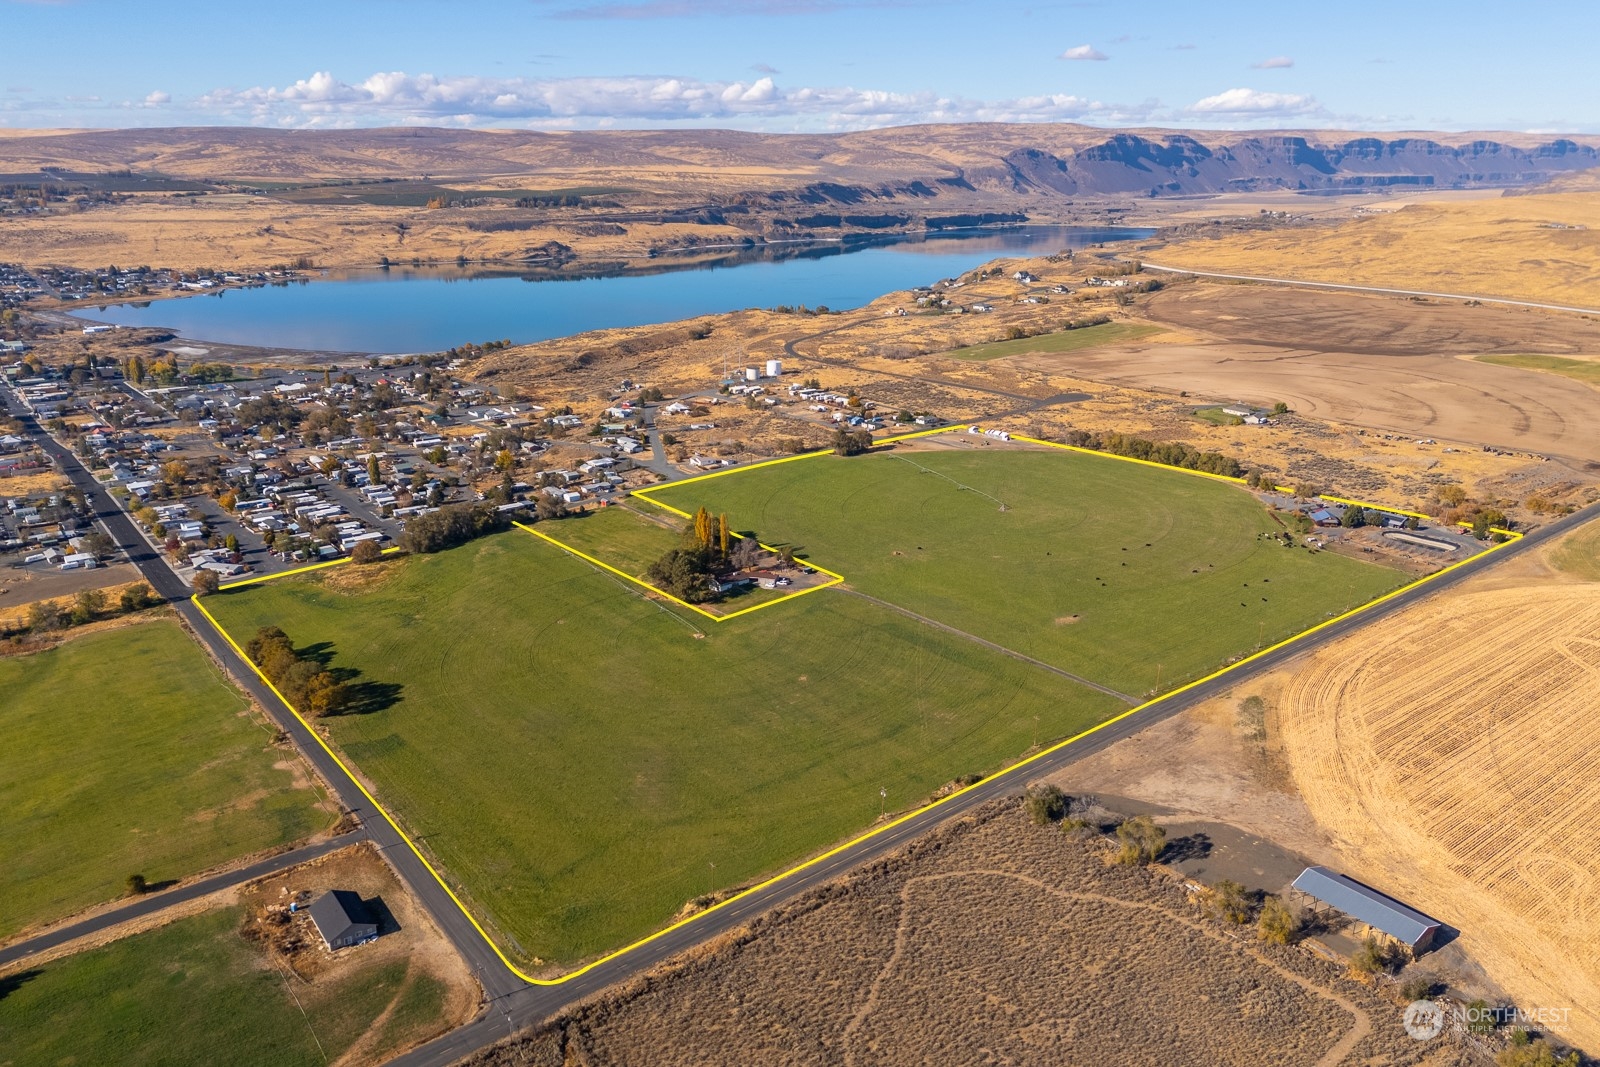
834 577
1013 770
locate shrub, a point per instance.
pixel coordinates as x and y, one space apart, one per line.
1417 987
1526 1051
1279 924
1227 901
137 886
365 552
1371 958
1046 804
205 583
136 598
1142 840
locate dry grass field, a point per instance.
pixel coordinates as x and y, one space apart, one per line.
988 941
1382 363
241 232
1508 247
1451 753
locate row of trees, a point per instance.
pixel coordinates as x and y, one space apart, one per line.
303 680
86 606
451 525
1170 453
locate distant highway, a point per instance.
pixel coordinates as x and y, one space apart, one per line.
1370 289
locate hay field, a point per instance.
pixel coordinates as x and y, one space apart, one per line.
988 941
1451 753
1505 247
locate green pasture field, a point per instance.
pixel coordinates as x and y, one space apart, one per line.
618 536
195 992
581 763
126 752
1582 370
1108 569
624 538
1217 417
1578 553
1064 341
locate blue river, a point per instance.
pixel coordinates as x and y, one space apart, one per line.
427 310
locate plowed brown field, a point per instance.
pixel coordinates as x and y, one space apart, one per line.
1454 752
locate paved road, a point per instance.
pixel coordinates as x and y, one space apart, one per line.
494 975
152 903
513 1004
1371 289
535 1004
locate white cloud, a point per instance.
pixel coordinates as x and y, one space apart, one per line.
1275 63
157 98
1084 51
1254 103
399 98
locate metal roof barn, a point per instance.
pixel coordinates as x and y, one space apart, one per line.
1367 905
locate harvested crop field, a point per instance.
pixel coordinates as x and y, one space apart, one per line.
994 941
1374 361
1452 753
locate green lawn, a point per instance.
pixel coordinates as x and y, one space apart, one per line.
1100 567
1065 341
195 992
1583 370
1578 553
1217 417
618 536
578 759
127 752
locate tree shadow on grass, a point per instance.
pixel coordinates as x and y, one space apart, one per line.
363 697
368 697
10 983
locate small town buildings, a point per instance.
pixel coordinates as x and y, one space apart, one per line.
342 919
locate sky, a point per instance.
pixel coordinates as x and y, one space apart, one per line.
801 65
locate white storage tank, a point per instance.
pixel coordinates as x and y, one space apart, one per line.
752 374
774 368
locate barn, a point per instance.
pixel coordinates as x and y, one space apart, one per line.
1365 904
342 918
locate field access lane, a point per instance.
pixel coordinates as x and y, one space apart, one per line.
1371 289
161 900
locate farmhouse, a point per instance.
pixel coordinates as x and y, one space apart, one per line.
342 919
1366 905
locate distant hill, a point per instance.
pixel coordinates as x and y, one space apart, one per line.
902 163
